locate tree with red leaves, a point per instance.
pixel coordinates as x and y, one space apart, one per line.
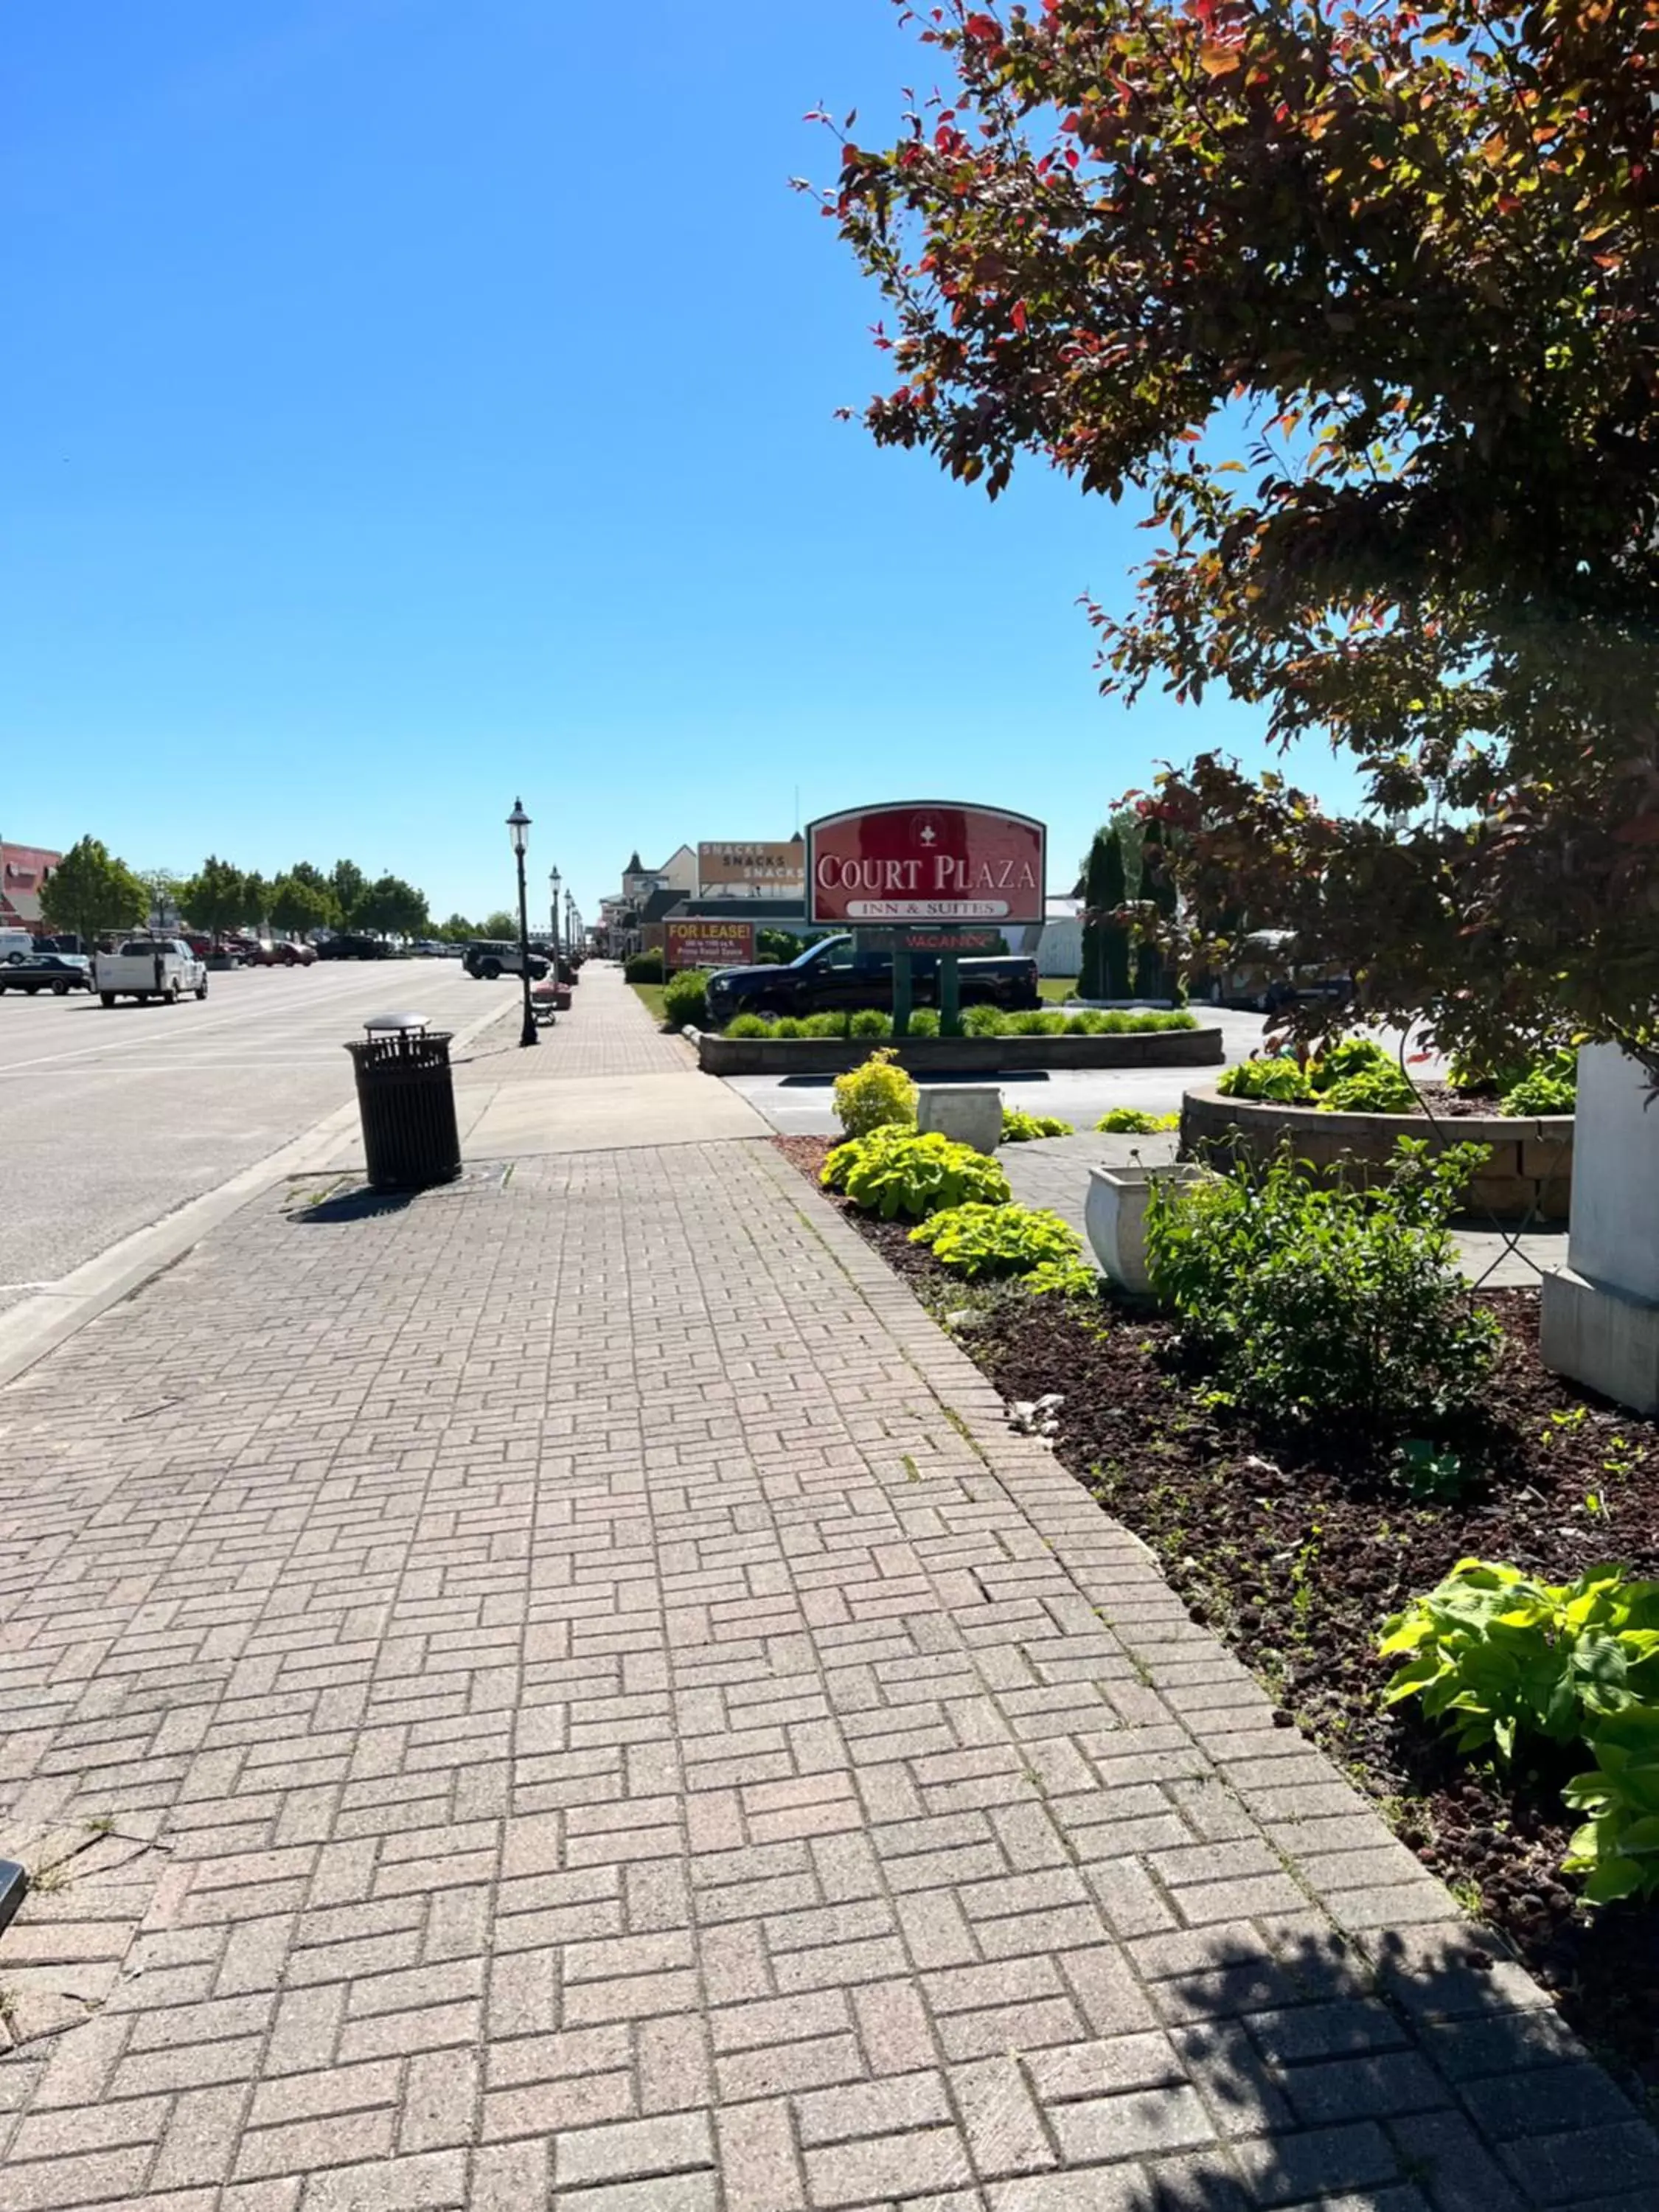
1409 261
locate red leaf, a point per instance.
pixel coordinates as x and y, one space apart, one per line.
1019 317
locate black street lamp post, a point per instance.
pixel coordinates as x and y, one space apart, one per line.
518 826
553 880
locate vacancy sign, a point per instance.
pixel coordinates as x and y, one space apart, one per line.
914 862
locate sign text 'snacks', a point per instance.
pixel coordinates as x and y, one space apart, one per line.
915 862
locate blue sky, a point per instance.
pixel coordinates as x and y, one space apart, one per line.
406 406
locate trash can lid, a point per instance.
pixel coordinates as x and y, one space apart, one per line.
377 1022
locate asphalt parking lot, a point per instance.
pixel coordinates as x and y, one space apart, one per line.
111 1117
799 1106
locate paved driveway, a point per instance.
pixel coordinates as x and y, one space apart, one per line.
798 1106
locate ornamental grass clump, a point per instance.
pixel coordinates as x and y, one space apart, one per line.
1319 1305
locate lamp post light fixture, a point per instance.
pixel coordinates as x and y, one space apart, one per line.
518 828
553 882
570 920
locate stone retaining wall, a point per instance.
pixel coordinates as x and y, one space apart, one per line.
1529 1172
926 1056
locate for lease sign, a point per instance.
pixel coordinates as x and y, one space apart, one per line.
707 944
913 861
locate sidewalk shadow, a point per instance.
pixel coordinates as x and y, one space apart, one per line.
1391 2081
354 1206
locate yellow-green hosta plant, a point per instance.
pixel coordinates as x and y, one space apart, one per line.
1496 1654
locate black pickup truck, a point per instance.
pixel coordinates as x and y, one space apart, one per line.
832 976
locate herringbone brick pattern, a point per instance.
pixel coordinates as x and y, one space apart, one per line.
635 1734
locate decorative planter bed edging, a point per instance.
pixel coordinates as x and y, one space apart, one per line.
926 1057
1530 1170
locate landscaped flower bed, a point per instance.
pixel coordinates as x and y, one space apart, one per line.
1296 1548
995 1042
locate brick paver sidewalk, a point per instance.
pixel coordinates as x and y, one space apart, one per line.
565 1691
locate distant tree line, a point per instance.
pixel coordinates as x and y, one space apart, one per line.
92 892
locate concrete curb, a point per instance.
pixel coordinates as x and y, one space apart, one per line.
29 1331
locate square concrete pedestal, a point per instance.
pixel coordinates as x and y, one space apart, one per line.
968 1114
1603 1337
1599 1316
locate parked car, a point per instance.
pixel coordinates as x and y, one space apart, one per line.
487 958
343 946
277 953
833 974
56 972
146 968
1266 975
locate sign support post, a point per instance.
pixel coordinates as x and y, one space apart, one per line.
950 995
901 991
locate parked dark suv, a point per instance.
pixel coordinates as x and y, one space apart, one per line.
488 958
833 974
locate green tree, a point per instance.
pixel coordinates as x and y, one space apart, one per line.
458 930
215 897
499 925
161 890
1113 937
1091 983
1157 890
1417 255
90 891
255 901
347 882
391 907
300 907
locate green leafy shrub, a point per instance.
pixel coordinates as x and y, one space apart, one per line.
1089 1023
1019 1128
825 1025
748 1025
923 1022
1466 1074
1618 1847
1324 1304
643 967
1375 1088
1551 1087
977 1240
1500 1656
1353 1056
1135 1122
789 1025
876 1096
896 1170
1281 1081
984 1021
870 1022
1071 1278
685 999
1497 1654
1037 1021
1174 1017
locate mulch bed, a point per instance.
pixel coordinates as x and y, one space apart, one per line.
1295 1552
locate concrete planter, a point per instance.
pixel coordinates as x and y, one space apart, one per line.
1115 1217
1529 1172
929 1056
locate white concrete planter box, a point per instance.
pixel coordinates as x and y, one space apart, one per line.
1116 1217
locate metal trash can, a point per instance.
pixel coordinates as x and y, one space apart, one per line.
406 1101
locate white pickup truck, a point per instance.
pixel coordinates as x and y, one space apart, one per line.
148 968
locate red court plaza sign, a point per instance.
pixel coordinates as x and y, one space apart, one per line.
914 862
